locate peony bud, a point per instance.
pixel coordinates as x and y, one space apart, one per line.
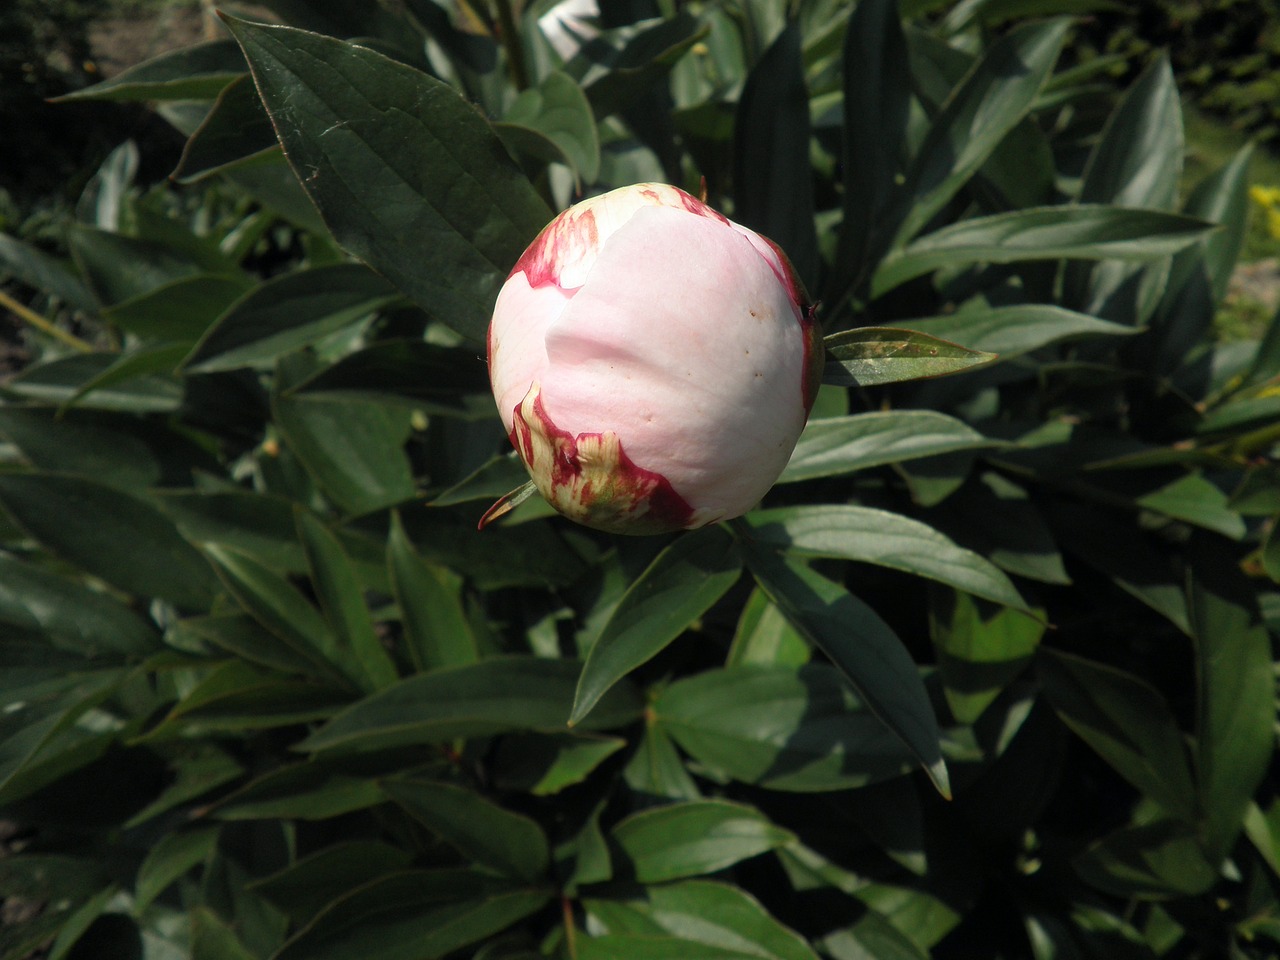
653 362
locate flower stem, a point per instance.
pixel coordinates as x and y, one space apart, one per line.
42 324
570 928
511 43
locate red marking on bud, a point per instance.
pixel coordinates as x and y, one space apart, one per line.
563 240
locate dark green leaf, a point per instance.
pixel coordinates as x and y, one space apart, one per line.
236 128
342 600
867 356
175 855
649 50
869 535
877 97
179 312
353 448
1152 860
993 98
302 791
764 636
64 380
69 615
493 696
114 535
863 648
842 445
212 938
305 887
191 73
257 524
481 830
772 175
677 588
289 312
409 369
1236 697
412 915
1082 231
1127 722
633 946
436 629
544 764
693 838
239 696
42 271
405 172
781 728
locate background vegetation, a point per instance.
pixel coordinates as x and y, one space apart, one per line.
989 673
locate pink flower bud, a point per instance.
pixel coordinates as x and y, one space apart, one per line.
653 362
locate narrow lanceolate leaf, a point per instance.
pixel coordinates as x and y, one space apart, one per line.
407 174
993 99
111 534
342 600
436 629
553 121
877 97
678 587
840 445
1127 722
192 73
863 647
493 696
412 915
887 539
483 831
772 174
1235 697
1084 232
868 356
1015 330
694 838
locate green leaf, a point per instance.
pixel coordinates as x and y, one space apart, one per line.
1082 231
214 939
412 915
877 98
764 636
423 373
481 830
63 380
772 174
862 647
780 728
1154 860
841 445
353 448
493 696
194 775
1235 691
657 769
342 600
235 128
174 856
632 946
553 122
279 607
649 50
981 649
301 791
422 165
694 837
179 312
42 271
868 356
238 696
1013 331
69 615
258 524
705 912
544 764
871 936
870 535
679 586
994 97
1127 722
289 312
1198 501
437 631
196 72
305 887
119 268
111 534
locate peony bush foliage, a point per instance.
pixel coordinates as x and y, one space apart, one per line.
951 633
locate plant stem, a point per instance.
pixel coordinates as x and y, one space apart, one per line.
511 43
570 928
42 324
